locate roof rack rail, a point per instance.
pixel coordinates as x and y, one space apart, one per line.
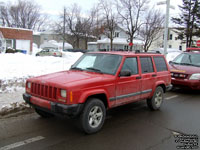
157 52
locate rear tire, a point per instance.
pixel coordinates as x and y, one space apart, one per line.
93 116
43 114
156 101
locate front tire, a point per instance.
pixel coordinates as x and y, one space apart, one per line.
93 116
156 101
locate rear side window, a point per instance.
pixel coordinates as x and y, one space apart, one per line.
130 64
146 64
160 63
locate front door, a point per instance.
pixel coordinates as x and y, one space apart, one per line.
128 87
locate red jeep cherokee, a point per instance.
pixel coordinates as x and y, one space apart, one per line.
100 81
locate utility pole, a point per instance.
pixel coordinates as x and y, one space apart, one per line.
64 20
167 2
166 27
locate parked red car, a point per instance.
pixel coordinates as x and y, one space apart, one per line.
100 81
185 69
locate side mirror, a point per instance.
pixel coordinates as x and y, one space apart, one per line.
125 73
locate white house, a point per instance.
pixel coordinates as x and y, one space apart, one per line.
173 41
120 42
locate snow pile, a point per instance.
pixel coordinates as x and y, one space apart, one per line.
20 66
16 68
13 107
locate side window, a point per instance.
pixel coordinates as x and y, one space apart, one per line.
146 64
160 63
130 64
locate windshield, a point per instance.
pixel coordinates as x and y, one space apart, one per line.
192 59
101 63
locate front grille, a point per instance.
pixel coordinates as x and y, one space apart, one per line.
44 91
179 75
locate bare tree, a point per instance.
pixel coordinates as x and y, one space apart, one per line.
109 19
77 26
97 28
70 24
152 27
130 12
88 25
23 14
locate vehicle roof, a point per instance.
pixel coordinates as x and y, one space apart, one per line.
127 53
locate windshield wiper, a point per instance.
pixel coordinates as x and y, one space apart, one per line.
76 68
186 64
173 62
94 69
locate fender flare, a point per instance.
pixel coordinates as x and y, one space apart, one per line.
157 84
89 93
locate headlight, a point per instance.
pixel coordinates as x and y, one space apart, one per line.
195 76
63 93
29 85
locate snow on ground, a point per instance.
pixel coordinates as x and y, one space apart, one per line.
16 68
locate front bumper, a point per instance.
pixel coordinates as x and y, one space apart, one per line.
193 84
53 107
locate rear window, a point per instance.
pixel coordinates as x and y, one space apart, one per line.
146 64
160 63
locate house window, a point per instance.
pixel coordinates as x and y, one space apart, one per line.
116 34
9 43
170 36
170 46
126 47
180 47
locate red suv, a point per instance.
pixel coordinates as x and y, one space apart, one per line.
100 81
185 69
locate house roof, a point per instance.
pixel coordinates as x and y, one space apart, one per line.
117 41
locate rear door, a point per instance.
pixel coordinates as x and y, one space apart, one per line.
128 87
148 76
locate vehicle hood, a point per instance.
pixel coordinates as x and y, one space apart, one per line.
71 77
184 69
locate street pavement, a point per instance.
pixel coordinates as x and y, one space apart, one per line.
129 127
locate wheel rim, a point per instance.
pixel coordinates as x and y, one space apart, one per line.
95 116
158 99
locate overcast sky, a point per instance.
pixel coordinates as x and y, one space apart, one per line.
56 6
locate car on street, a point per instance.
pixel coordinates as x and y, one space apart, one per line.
49 52
99 81
185 69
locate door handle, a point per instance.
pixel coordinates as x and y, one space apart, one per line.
154 75
138 77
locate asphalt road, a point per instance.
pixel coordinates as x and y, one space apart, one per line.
130 127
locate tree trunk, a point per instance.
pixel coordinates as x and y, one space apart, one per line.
131 41
111 42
